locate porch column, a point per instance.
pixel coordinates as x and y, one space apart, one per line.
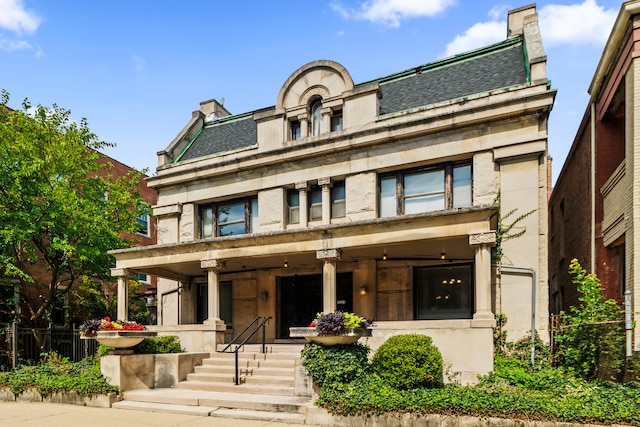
304 204
482 243
123 292
325 183
213 266
329 293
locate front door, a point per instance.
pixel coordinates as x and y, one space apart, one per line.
300 299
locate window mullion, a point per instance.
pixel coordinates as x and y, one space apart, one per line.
400 194
448 186
247 216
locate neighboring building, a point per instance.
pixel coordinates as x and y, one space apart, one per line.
377 198
147 234
594 208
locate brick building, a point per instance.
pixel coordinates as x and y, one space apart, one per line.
594 213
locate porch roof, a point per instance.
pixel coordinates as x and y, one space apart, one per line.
412 237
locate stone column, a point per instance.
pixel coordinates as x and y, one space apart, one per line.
326 199
213 266
329 293
325 126
304 203
482 243
123 292
304 125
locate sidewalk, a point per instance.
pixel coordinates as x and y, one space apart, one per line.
29 414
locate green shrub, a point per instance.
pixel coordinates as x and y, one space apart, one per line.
57 374
408 362
159 345
587 341
334 366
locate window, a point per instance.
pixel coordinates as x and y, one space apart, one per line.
338 207
461 186
142 278
444 292
336 121
315 204
143 219
425 190
229 219
316 117
295 129
293 205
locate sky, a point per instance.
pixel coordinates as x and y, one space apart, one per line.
136 70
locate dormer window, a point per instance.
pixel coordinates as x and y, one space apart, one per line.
316 117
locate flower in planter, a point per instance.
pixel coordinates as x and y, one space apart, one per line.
338 321
91 327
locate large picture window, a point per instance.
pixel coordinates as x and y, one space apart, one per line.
425 190
444 292
229 218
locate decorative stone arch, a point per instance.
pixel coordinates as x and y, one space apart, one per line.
324 78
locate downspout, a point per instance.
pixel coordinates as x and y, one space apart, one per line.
533 303
592 238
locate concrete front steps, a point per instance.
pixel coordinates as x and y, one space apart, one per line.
271 388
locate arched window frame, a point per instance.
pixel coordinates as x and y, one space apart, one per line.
315 115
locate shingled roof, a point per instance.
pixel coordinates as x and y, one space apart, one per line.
494 67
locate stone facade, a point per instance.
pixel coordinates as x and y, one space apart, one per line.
378 198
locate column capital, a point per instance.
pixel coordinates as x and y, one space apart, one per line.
329 254
483 239
213 264
303 185
324 181
121 272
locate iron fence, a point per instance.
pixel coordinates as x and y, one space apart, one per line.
25 345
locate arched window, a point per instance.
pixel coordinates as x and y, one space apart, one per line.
316 117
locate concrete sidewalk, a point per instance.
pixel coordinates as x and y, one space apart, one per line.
36 414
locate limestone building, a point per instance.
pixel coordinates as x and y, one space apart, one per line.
378 197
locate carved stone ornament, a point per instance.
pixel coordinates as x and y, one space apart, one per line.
329 254
212 264
488 238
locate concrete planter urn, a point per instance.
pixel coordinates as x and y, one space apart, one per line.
348 336
334 328
121 340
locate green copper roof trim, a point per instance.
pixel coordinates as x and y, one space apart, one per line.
188 146
527 66
447 61
230 118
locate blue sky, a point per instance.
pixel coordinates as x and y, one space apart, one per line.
137 69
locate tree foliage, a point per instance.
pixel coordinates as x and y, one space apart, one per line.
60 208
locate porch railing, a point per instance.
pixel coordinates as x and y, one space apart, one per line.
258 324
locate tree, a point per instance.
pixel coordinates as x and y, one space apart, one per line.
60 209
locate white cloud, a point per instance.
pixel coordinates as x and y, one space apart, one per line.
13 45
391 12
14 17
576 24
479 35
580 23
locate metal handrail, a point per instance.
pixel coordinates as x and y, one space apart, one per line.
260 323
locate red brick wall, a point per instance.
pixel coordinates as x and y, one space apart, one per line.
572 191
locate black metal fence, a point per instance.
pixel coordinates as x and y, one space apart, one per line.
20 345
